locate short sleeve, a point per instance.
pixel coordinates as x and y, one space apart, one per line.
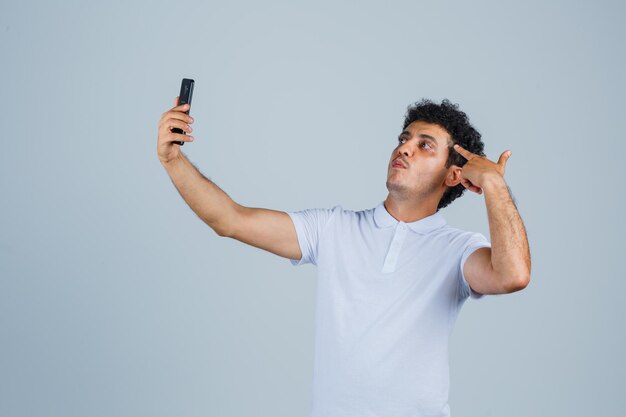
476 241
309 225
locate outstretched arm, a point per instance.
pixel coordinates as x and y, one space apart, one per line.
266 229
505 267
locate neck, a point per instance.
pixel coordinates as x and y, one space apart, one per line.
409 211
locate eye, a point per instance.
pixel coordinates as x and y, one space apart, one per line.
400 139
426 143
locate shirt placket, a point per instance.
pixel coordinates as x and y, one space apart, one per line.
395 247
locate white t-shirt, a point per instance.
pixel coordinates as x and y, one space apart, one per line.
388 295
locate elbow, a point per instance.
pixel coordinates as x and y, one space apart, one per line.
221 232
220 228
520 282
217 228
225 225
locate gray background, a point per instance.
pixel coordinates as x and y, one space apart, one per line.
116 300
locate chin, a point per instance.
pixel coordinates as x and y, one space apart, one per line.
395 187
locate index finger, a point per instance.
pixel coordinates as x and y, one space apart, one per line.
182 108
178 107
465 153
177 112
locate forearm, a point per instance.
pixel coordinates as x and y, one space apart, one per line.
203 196
510 253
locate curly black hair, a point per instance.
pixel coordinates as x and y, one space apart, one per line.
456 123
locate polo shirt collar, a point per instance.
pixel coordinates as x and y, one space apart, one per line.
382 218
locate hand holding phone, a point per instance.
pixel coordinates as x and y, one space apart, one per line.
174 125
186 92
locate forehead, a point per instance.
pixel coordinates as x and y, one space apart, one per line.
439 133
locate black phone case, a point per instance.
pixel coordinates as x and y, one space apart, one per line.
186 92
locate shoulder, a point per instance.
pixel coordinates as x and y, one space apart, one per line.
456 235
457 241
314 218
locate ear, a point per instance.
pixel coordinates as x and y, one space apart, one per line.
453 177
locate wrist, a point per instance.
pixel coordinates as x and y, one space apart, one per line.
171 162
493 182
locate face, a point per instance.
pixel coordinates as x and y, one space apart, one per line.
423 147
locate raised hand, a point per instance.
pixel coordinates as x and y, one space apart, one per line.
479 169
167 143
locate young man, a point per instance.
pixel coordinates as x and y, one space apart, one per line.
391 279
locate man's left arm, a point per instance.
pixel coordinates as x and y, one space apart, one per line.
505 267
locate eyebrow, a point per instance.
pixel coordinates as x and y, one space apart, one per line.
421 135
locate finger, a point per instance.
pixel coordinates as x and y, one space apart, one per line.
468 185
465 153
169 124
177 137
181 107
176 101
504 158
166 126
173 114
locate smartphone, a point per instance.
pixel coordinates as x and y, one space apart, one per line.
186 91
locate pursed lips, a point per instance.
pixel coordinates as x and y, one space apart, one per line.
398 164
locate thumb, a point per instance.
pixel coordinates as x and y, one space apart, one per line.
504 157
176 101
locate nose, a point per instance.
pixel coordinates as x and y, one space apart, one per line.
406 148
